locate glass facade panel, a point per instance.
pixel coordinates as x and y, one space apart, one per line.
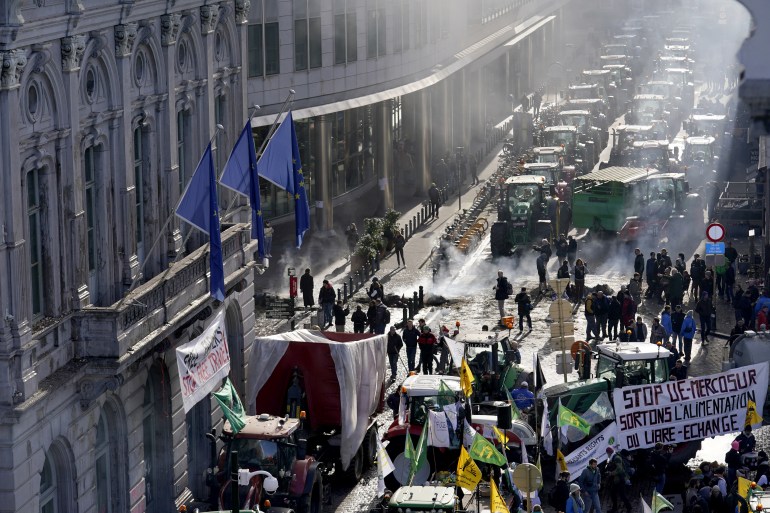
351 155
272 60
300 44
315 42
255 50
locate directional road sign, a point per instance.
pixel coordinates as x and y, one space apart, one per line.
279 308
715 248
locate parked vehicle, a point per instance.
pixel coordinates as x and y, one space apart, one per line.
629 201
623 139
276 445
525 213
299 372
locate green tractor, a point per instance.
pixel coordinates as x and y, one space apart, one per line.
526 211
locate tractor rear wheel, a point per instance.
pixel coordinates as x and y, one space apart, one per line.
498 240
356 468
370 446
312 502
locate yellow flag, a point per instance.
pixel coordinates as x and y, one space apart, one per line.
500 435
497 504
466 379
743 487
752 417
468 473
561 460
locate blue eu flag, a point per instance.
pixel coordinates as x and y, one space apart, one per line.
281 165
240 175
199 208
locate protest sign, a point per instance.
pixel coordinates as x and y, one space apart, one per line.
595 448
203 363
688 409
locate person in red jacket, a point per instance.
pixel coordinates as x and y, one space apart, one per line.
427 343
762 318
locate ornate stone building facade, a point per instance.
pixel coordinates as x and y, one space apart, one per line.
105 109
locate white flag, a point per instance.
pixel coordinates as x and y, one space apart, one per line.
645 506
545 430
438 430
468 434
524 455
384 467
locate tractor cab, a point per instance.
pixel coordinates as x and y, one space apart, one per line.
650 154
648 107
418 499
548 155
487 354
677 50
421 393
682 78
584 122
632 363
623 139
524 213
566 137
551 171
603 77
699 150
588 92
709 125
672 61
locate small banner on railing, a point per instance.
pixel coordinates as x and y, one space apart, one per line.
203 363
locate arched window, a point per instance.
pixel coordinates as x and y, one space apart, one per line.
48 499
156 410
104 493
57 480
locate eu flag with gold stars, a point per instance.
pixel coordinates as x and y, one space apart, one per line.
280 164
240 175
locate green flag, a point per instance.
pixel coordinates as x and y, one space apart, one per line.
484 450
228 400
419 455
659 502
445 395
568 417
515 413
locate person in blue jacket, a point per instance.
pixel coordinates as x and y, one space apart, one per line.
665 321
575 502
688 333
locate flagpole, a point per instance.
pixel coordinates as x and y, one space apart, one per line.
286 103
162 231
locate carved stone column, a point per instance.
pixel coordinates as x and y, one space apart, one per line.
124 37
422 139
13 282
72 48
383 151
324 210
169 31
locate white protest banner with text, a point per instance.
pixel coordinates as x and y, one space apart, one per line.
688 409
595 448
203 363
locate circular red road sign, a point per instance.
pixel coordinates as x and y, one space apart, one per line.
715 232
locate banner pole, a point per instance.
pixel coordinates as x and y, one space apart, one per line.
162 233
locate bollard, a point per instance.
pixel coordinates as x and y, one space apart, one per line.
422 297
339 294
404 310
411 226
345 291
415 301
410 306
377 263
350 282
